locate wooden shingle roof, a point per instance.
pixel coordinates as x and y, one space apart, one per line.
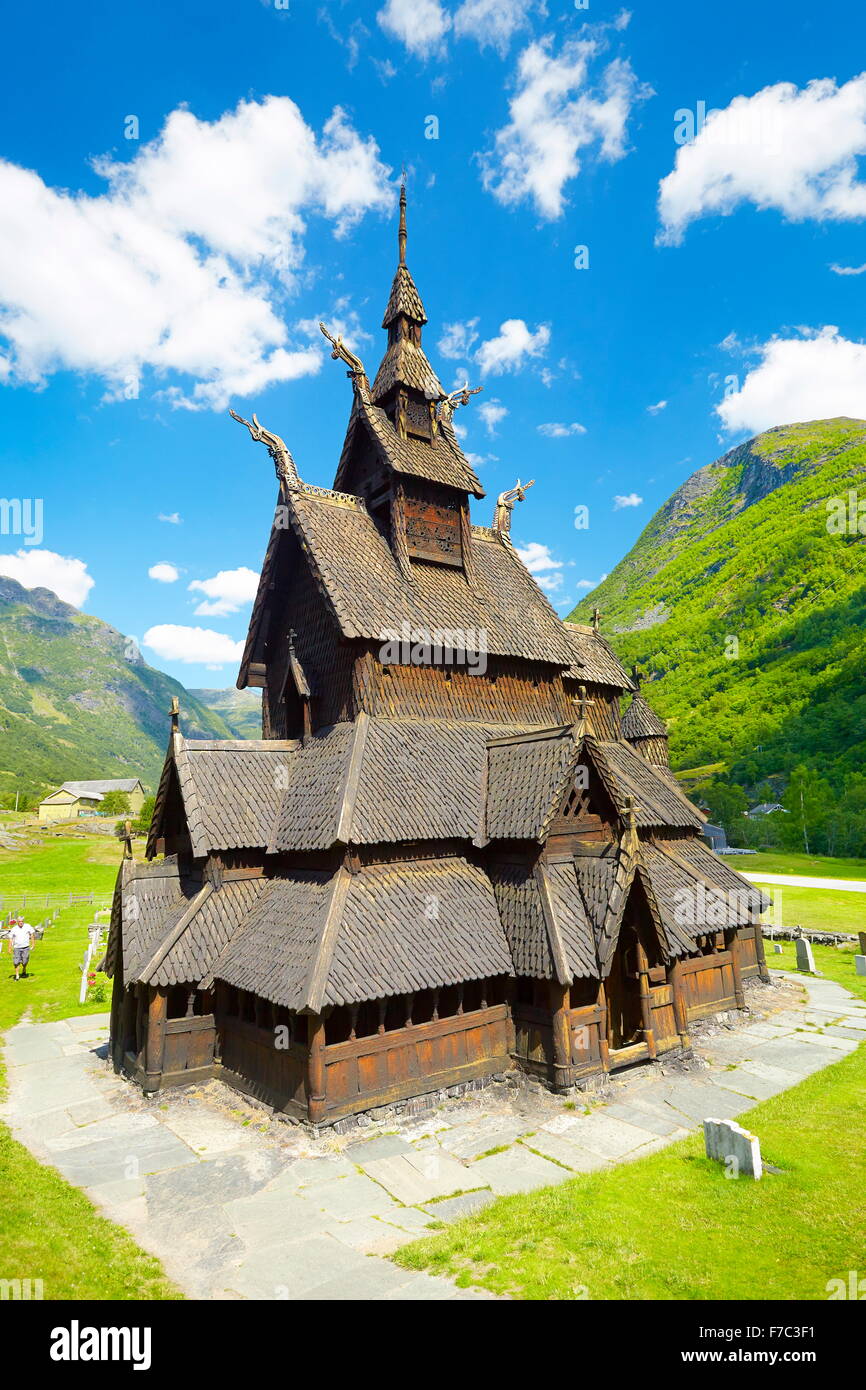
404 299
231 791
528 774
593 658
640 721
438 461
315 939
370 597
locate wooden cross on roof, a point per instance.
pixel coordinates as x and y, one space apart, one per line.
635 677
596 619
127 839
584 705
174 713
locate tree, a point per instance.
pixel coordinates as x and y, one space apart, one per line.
115 804
725 804
145 816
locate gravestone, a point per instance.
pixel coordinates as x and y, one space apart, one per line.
860 964
805 959
777 948
728 1143
862 936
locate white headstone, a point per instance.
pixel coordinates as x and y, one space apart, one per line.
728 1143
860 965
777 948
805 959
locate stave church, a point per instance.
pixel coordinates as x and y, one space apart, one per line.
457 848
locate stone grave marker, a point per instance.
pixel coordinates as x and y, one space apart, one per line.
777 948
728 1143
805 958
862 936
860 964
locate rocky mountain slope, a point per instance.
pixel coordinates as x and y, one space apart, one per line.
745 600
77 700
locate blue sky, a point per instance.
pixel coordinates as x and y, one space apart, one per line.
147 282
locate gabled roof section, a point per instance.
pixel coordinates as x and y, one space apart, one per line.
527 777
640 721
150 901
369 595
438 461
315 939
593 658
231 791
384 781
656 792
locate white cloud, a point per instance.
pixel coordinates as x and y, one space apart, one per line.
175 269
173 518
458 339
164 572
557 431
554 114
420 25
491 412
657 408
812 377
44 569
492 23
192 645
478 460
508 351
544 569
630 500
585 584
848 269
226 592
783 148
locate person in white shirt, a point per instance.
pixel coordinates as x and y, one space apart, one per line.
20 936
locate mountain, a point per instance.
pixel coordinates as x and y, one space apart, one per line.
744 601
241 709
77 700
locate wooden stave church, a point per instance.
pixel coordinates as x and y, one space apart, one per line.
432 868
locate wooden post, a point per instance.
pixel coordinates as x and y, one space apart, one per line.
734 948
559 1005
157 1013
646 1003
759 954
316 1076
603 1043
680 1014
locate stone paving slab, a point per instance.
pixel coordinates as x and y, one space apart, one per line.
414 1179
516 1170
559 1149
259 1210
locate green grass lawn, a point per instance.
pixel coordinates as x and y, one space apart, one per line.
49 1229
836 963
672 1226
823 909
809 865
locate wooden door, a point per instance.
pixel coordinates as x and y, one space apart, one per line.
623 993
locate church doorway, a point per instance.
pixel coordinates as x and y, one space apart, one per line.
624 1020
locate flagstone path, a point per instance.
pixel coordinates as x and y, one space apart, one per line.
238 1205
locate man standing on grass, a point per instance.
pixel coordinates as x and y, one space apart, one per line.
21 936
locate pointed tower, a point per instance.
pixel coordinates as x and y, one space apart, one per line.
643 729
406 386
401 454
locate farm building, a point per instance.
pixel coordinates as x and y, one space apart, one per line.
451 853
76 799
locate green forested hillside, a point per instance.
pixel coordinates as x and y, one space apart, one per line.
78 701
745 600
241 709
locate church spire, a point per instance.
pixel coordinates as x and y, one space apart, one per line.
401 232
405 378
